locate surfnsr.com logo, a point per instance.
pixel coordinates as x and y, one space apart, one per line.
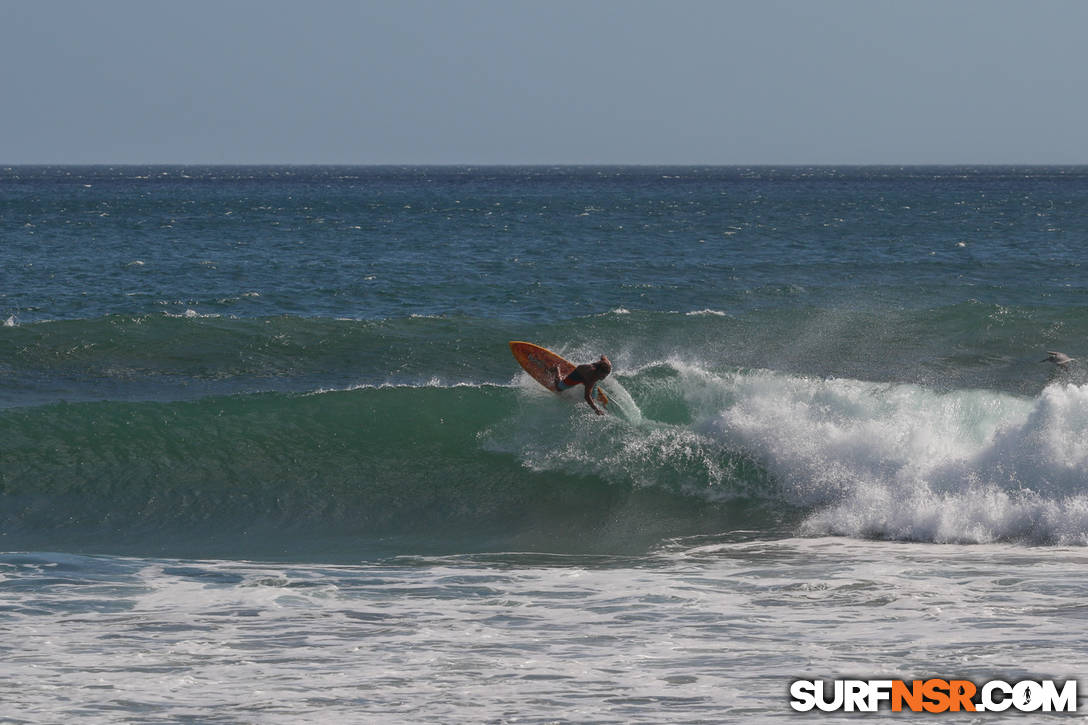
933 695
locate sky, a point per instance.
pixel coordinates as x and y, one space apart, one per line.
544 82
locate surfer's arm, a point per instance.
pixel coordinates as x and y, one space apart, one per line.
589 399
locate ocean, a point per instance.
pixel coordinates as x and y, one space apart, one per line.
265 456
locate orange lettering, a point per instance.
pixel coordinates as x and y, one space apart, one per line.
936 691
961 692
911 695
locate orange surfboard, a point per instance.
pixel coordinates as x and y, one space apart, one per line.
540 362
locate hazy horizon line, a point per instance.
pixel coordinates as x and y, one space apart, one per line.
313 164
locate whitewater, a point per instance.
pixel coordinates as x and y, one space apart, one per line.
265 456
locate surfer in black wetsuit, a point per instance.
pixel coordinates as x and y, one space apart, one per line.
588 375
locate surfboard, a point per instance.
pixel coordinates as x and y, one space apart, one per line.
540 363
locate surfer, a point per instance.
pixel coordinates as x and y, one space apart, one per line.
1064 370
588 375
1058 358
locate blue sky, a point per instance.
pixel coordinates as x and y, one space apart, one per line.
548 82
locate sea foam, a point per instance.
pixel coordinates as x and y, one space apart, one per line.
906 462
856 458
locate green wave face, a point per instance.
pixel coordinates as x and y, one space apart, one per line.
206 435
388 469
686 451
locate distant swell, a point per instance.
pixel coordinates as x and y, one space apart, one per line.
160 356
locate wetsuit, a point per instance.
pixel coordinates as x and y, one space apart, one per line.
589 376
575 378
